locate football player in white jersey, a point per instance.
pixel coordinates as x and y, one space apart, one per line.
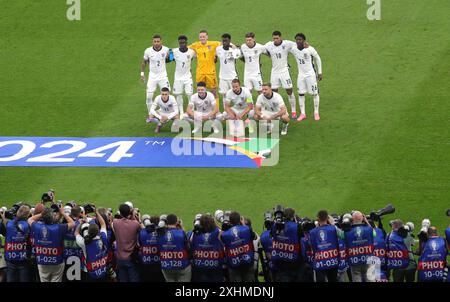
227 54
278 49
308 73
164 109
202 107
270 106
183 77
251 55
238 104
156 57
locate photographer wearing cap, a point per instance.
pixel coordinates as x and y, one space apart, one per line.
174 252
433 258
325 247
238 243
359 240
16 245
48 243
286 236
149 250
93 241
400 258
207 251
126 230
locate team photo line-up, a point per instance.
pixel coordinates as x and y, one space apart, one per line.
237 97
44 242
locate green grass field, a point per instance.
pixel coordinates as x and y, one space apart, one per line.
384 135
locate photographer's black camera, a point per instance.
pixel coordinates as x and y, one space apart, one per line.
11 213
268 222
226 225
89 208
278 213
307 224
376 215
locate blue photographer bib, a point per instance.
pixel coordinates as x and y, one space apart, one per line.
343 263
266 243
396 251
238 246
432 262
149 251
359 242
173 252
48 243
207 250
16 241
324 243
70 246
96 258
379 243
306 250
285 244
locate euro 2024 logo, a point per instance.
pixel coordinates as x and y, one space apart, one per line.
44 233
235 233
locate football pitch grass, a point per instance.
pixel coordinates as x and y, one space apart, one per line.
384 136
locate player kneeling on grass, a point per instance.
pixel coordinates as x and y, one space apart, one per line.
238 103
163 110
202 107
270 106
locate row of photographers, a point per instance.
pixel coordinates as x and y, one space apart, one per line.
74 243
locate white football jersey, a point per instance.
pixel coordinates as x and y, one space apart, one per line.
252 57
279 55
274 104
183 63
305 61
205 105
227 60
239 101
168 107
157 62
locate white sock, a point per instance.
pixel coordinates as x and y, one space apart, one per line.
292 101
180 103
301 102
316 104
149 100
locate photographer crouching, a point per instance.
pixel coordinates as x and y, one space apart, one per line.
238 242
208 255
174 252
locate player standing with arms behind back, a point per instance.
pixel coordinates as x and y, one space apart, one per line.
183 78
156 57
307 77
206 65
251 55
278 50
227 55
